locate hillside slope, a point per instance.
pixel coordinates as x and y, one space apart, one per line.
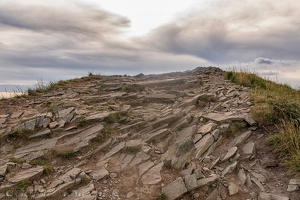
184 135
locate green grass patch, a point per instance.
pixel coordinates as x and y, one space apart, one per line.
113 118
104 135
162 196
133 88
23 184
273 102
39 161
276 107
42 161
287 140
82 122
19 133
15 160
66 154
48 169
42 87
132 149
234 127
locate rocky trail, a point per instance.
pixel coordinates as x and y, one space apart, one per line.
183 135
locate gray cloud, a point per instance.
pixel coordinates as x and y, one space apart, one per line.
51 42
263 61
282 71
231 31
80 19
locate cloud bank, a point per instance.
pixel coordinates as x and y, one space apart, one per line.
65 39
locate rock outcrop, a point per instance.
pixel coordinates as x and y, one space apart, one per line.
184 135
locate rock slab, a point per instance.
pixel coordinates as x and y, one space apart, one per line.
175 189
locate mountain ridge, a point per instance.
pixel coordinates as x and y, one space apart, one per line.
180 135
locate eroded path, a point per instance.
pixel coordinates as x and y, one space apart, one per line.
184 135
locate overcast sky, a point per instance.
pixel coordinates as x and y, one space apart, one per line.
62 39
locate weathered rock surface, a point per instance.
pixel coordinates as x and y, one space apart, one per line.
152 176
175 189
124 137
26 174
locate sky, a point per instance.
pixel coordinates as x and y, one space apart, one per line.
62 39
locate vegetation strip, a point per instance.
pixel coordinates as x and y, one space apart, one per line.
276 106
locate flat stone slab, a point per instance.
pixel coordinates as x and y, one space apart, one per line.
213 195
35 147
70 175
64 113
191 101
2 120
233 189
223 117
185 134
207 128
99 174
114 150
207 181
240 138
144 167
202 145
126 160
259 177
82 139
292 188
83 193
271 196
191 182
163 98
258 183
99 116
139 158
41 133
152 176
229 168
89 133
175 189
250 121
3 170
294 182
157 135
248 149
26 174
16 114
230 153
197 137
242 176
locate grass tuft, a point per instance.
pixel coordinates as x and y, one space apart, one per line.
66 154
234 127
162 196
19 133
113 118
133 149
48 169
134 88
23 184
15 160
